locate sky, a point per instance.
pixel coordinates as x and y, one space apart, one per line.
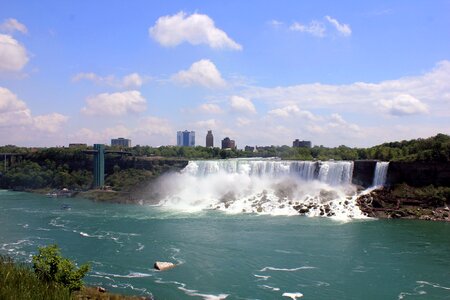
355 73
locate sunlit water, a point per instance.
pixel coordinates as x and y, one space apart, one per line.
232 256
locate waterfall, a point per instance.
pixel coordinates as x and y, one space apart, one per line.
330 172
263 186
379 177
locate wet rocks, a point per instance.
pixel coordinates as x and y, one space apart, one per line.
397 204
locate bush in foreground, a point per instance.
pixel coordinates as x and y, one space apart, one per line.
50 266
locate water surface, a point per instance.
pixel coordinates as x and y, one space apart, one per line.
244 256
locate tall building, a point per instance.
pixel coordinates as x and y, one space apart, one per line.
121 142
209 139
302 144
228 144
186 138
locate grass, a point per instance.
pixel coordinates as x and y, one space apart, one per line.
18 281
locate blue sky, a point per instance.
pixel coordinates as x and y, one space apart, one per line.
357 73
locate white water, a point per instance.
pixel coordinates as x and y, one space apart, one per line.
379 177
263 186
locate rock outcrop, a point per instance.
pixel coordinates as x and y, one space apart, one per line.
387 203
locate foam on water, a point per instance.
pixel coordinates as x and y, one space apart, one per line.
194 293
286 269
262 186
293 295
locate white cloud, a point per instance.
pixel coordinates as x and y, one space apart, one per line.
343 29
133 80
50 123
150 126
243 121
210 108
13 56
12 25
206 124
432 88
14 113
242 104
275 23
404 104
314 28
115 104
195 29
291 111
202 72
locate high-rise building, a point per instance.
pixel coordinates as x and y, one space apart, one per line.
228 144
209 139
186 138
302 144
121 142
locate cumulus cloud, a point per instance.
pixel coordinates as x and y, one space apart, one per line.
314 28
202 72
242 104
206 124
343 29
195 29
13 56
292 111
115 104
403 104
14 113
149 126
431 88
210 108
133 80
50 123
11 25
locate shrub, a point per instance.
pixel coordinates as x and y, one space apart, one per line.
50 266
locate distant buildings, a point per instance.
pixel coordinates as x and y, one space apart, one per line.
209 139
228 144
121 142
302 144
186 138
249 149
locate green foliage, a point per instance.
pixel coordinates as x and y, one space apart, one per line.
124 180
50 266
18 281
434 196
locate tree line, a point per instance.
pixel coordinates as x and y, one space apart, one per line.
72 168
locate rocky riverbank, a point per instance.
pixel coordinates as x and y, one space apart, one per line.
406 202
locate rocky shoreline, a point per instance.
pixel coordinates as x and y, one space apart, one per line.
396 203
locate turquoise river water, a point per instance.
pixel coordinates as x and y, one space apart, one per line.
232 256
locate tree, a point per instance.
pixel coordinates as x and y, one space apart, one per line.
50 266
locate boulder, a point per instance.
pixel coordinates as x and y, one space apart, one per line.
162 265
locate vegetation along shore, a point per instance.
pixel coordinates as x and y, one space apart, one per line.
424 194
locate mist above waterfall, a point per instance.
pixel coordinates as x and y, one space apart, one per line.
263 186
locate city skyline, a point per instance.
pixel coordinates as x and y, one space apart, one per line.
350 73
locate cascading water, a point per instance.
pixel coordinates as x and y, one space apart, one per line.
379 177
265 186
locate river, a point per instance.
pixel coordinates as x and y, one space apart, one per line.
223 255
